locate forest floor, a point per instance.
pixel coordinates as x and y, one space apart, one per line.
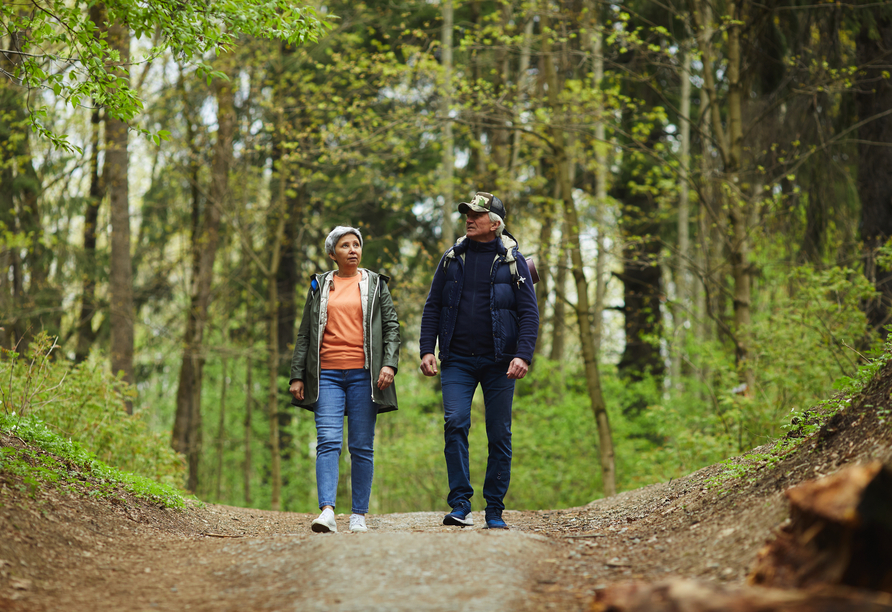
75 553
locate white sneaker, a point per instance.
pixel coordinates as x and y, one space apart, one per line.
325 523
357 523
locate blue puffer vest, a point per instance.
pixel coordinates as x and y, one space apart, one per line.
503 300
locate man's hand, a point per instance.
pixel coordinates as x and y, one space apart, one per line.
385 378
518 368
297 390
429 365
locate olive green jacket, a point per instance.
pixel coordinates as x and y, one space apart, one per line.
380 330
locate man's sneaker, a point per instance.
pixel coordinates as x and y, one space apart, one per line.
494 521
357 523
325 523
460 517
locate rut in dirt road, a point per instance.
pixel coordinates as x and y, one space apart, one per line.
470 570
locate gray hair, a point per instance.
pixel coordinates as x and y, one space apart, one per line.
336 234
493 217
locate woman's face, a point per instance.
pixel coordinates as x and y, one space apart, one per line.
347 252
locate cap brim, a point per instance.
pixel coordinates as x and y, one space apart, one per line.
464 207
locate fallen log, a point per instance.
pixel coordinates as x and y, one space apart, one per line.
839 533
681 595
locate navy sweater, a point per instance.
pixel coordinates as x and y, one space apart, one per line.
473 327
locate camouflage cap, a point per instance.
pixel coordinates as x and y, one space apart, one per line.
483 202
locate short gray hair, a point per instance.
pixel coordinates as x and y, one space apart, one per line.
494 217
336 234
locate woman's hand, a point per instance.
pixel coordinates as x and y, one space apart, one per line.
297 389
385 378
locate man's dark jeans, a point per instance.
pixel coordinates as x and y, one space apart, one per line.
459 377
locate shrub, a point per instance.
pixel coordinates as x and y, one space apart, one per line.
84 404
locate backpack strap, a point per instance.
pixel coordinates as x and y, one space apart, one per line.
510 245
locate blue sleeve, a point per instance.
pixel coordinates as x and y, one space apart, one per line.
527 313
430 316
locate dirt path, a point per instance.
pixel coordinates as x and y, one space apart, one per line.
77 554
223 558
82 555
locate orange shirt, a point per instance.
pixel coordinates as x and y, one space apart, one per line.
342 340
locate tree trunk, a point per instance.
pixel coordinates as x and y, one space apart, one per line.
738 206
498 174
602 172
544 267
221 429
559 318
187 431
679 316
873 101
447 227
184 431
288 276
11 128
705 229
117 164
28 298
249 413
273 366
85 334
294 198
523 85
571 220
730 145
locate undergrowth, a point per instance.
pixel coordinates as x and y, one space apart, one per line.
47 459
804 424
76 432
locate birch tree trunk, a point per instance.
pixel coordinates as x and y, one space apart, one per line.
583 314
681 273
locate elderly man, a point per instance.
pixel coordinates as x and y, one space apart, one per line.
482 311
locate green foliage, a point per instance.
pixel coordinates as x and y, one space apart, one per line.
804 340
746 465
65 52
86 405
69 466
556 456
805 423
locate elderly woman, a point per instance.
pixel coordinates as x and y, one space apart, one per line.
345 358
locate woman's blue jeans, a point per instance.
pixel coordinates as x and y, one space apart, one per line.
459 377
345 392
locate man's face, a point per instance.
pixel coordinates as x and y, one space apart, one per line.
479 227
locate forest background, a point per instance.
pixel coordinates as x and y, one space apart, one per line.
704 187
